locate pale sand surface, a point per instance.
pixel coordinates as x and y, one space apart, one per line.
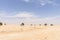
17 32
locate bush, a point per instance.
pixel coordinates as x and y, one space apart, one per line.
1 23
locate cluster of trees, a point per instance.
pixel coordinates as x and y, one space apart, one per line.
22 24
44 24
47 24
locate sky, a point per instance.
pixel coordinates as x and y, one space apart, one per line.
30 11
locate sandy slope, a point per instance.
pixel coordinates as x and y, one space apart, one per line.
11 32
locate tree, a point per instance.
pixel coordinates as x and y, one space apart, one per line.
45 24
1 23
51 24
22 24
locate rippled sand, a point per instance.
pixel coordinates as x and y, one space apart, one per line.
15 32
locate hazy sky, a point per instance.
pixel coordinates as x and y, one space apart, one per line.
13 11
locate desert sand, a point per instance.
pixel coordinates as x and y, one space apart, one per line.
27 32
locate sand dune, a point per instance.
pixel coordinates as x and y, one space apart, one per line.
11 32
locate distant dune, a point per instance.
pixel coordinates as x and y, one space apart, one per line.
27 32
